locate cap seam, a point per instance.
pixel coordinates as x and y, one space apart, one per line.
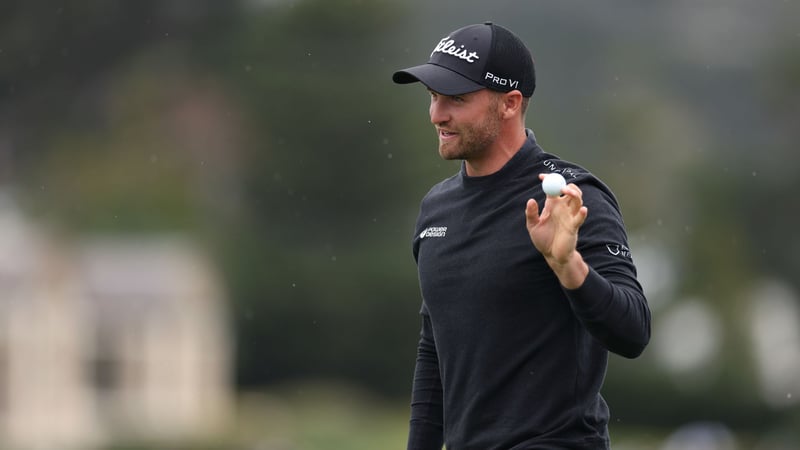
489 57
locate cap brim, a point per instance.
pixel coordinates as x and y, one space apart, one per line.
438 79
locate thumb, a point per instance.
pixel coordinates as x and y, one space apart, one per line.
532 213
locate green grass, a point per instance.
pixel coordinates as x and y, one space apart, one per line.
315 416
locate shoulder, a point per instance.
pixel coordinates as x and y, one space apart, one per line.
595 191
604 226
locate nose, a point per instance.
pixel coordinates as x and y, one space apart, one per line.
438 111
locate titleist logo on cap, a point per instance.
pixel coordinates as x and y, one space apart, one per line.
448 47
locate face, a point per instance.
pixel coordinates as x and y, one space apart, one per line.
467 124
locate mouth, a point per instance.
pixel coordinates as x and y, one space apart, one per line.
446 134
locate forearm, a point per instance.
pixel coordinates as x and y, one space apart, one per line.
426 424
614 312
599 278
424 436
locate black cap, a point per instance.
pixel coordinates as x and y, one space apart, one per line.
473 58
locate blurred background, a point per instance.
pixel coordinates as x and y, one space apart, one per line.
206 212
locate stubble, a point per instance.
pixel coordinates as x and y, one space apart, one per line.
474 140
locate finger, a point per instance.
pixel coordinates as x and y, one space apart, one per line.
581 216
574 197
572 190
532 212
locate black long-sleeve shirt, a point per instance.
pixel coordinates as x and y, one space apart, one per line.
507 357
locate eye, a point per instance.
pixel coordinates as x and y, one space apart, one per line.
458 99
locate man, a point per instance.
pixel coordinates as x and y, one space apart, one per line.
520 304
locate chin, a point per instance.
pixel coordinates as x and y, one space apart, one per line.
448 155
449 151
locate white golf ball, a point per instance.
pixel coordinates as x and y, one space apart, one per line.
552 184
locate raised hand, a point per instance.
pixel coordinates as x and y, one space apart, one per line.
554 232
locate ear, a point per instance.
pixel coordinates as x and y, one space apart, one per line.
511 104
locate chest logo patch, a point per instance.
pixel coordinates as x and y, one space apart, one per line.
433 232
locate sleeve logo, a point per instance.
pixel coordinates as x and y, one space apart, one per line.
619 250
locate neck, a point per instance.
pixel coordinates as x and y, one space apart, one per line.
501 151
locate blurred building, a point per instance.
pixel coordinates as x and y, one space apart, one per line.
108 338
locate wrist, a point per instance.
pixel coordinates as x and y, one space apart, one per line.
571 271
